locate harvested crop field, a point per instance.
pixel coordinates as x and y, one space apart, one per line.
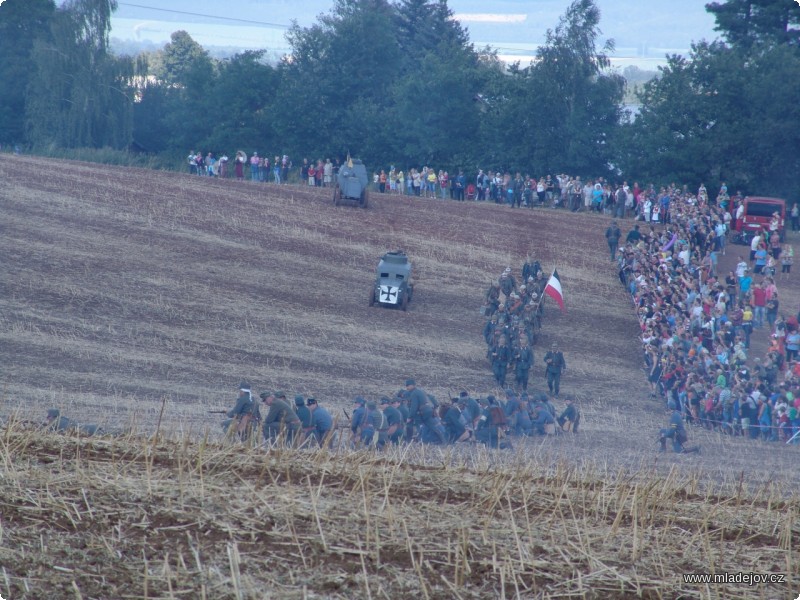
126 292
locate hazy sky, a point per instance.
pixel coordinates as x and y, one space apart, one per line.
643 30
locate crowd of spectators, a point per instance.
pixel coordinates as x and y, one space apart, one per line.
697 322
493 186
254 168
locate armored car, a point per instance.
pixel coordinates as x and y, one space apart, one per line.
393 285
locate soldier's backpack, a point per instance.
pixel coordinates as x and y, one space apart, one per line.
497 416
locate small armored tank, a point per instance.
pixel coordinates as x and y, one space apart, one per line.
393 285
351 183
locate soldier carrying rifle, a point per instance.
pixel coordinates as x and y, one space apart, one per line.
244 417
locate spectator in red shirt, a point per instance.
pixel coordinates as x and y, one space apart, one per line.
759 304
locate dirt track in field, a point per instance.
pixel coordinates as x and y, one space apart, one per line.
123 288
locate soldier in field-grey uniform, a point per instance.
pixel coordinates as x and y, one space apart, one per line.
280 417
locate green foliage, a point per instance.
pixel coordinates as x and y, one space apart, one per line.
727 112
560 113
165 161
239 102
79 95
22 22
185 64
335 87
398 82
748 23
668 139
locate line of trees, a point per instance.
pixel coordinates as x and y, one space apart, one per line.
399 82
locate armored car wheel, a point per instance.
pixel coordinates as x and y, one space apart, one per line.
364 198
410 292
404 302
372 297
337 195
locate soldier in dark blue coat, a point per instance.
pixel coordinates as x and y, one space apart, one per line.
489 328
677 433
500 356
471 410
357 419
454 422
486 430
524 426
321 420
394 421
542 419
304 414
555 366
568 419
524 361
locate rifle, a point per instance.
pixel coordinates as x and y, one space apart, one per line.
23 423
218 412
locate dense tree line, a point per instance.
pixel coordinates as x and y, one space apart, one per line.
729 112
399 82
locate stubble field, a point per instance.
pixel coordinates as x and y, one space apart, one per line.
127 291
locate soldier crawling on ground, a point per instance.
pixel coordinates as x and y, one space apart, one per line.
61 424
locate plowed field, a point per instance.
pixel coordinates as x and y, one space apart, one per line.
125 291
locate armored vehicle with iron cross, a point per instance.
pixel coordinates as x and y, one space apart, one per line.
393 285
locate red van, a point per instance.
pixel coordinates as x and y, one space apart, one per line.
758 212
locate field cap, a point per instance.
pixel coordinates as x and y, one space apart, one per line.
410 382
299 401
311 401
244 386
265 394
280 394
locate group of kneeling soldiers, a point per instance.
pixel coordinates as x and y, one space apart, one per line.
409 415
